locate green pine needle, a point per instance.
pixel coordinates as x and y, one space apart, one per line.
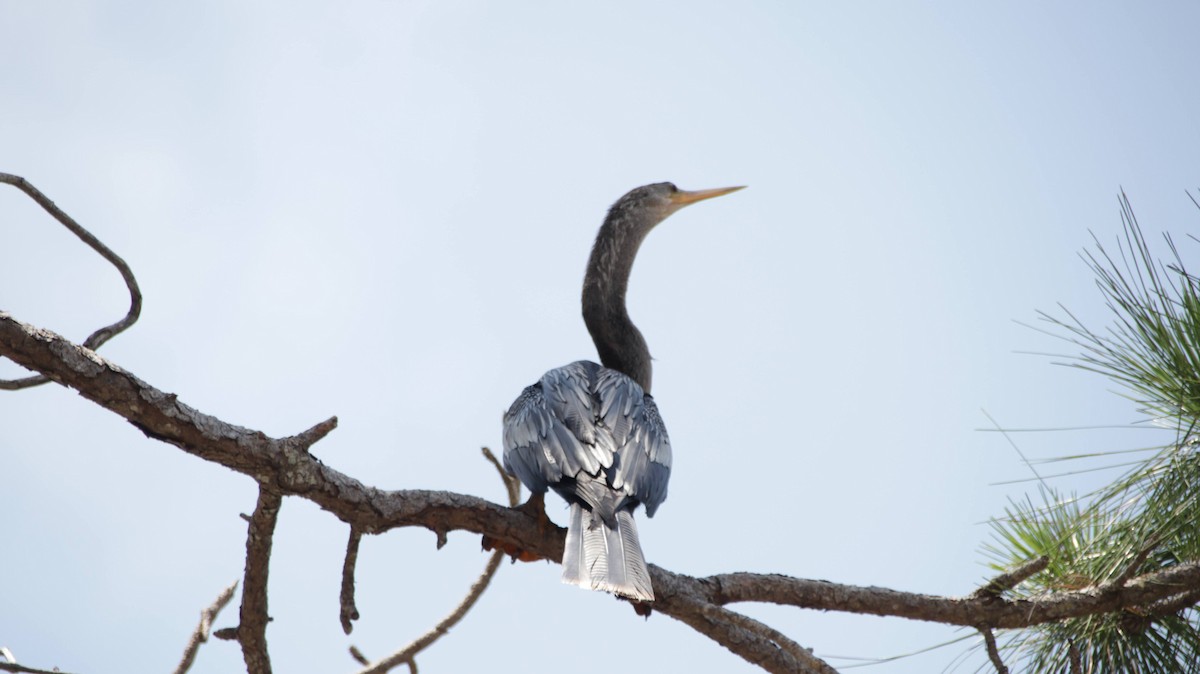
1149 517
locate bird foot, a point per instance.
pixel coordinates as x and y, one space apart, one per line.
642 608
535 507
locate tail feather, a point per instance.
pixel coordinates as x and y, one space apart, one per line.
600 557
574 571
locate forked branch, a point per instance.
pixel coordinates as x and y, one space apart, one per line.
288 469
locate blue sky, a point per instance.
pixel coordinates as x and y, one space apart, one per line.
381 210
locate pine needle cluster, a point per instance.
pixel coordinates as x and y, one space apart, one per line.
1148 518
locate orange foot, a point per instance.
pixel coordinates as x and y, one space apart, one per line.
535 507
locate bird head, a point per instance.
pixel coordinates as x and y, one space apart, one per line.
654 203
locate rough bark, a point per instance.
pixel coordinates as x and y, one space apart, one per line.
283 467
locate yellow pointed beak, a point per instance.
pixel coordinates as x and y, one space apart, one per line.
684 197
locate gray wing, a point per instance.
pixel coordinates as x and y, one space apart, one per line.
550 432
643 464
586 420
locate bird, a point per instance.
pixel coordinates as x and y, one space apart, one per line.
592 432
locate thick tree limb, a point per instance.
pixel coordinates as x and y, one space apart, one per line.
966 611
285 467
207 616
755 642
135 294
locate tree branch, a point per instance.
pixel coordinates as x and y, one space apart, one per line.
9 664
1007 581
252 626
1173 605
207 616
965 611
1136 563
22 669
135 294
408 654
755 642
349 612
284 467
993 652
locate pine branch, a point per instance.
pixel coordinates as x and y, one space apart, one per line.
285 467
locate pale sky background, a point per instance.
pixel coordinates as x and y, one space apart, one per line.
382 210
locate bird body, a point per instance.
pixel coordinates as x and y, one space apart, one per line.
592 432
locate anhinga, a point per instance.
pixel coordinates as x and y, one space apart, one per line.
592 432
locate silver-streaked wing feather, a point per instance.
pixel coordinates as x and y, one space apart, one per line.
526 424
586 420
550 432
643 467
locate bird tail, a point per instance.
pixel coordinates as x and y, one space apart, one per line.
600 557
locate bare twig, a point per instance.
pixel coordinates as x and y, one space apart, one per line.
511 484
252 625
1076 658
14 667
1007 581
358 656
312 436
207 616
349 611
9 664
407 655
409 652
1131 569
993 652
135 294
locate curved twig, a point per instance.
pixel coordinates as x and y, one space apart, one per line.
106 333
511 484
408 654
207 616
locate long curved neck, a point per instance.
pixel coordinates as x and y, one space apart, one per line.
618 341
